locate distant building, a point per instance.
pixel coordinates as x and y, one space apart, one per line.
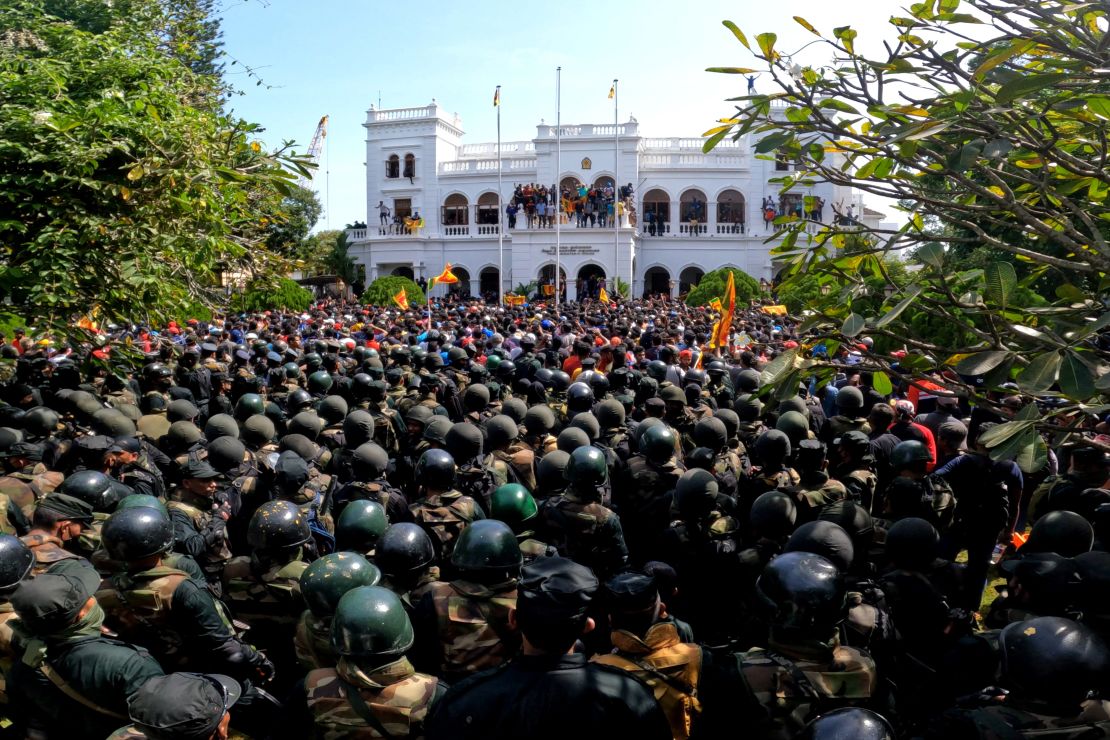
706 210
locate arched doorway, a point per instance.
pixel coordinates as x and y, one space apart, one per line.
570 184
657 281
657 213
604 181
402 271
730 212
487 282
590 280
455 214
691 212
486 214
460 289
689 277
547 281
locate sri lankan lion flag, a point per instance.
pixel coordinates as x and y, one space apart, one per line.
402 300
446 277
726 318
715 304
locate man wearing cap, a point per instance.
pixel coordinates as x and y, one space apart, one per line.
549 690
200 517
181 706
58 519
646 643
122 463
71 681
27 480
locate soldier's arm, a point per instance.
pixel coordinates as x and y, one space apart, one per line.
186 538
17 519
206 635
612 551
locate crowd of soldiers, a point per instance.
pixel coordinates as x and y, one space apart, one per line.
532 522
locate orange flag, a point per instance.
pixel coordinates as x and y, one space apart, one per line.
726 317
402 300
446 276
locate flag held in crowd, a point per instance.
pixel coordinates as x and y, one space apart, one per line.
402 299
447 277
603 296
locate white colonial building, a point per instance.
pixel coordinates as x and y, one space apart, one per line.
707 209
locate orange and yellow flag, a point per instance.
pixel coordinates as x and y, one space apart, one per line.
603 296
446 276
729 300
497 97
715 304
402 300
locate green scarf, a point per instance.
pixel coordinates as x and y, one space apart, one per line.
35 652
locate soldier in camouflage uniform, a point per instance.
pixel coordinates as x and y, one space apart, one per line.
804 670
27 480
855 468
406 557
577 524
476 477
512 461
849 402
323 584
333 410
58 520
462 627
199 511
373 691
368 466
441 510
771 472
16 561
645 495
728 467
913 492
387 421
815 489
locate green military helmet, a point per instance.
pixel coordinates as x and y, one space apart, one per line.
475 398
221 425
571 438
136 533
369 461
298 401
588 423
183 435
794 425
512 504
747 408
248 405
464 442
418 415
370 622
673 394
292 371
258 430
226 454
307 424
361 524
658 444
92 487
711 433
436 470
278 525
539 420
700 457
326 580
909 453
16 560
141 501
657 370
313 362
437 428
696 493
849 400
493 362
500 431
113 423
319 383
332 409
487 545
610 414
404 549
551 473
772 447
643 426
515 409
772 515
794 403
587 469
358 428
748 380
182 409
40 421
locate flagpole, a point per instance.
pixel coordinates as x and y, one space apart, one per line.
500 213
616 193
558 175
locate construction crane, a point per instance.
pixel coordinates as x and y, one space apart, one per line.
315 149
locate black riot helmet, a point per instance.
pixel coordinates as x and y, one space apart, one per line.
773 515
464 442
436 470
848 723
278 525
827 539
696 493
92 487
912 543
404 549
137 533
580 397
551 473
369 461
16 560
711 433
805 592
1053 660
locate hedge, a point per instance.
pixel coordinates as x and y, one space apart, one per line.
381 291
713 284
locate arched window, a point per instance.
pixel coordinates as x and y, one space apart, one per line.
487 209
393 167
570 185
692 206
730 212
603 182
410 165
456 210
657 212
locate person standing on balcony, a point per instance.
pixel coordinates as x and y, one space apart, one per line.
383 213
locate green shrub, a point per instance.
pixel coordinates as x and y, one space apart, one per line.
381 291
284 294
713 285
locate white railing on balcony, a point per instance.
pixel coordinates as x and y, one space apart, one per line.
401 114
673 143
487 229
465 166
508 148
730 229
691 161
589 129
356 234
456 230
686 228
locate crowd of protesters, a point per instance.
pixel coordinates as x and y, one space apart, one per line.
578 204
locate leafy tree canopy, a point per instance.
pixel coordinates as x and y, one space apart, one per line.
990 127
263 296
381 291
713 285
124 189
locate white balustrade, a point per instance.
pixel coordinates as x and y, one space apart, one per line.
463 230
690 228
356 234
487 229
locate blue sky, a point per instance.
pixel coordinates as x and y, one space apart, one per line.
334 57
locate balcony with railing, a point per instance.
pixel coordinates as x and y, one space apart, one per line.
677 161
588 130
509 149
486 166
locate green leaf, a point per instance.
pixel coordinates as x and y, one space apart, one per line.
1003 432
772 142
980 363
1076 380
847 36
731 70
1071 293
766 43
834 104
853 325
1033 457
778 367
1099 105
903 304
1039 375
1000 279
737 33
880 381
1015 445
931 254
1022 86
715 139
136 172
1003 55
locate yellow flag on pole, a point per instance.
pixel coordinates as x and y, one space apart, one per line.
726 317
402 300
446 276
497 97
603 296
612 91
715 304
